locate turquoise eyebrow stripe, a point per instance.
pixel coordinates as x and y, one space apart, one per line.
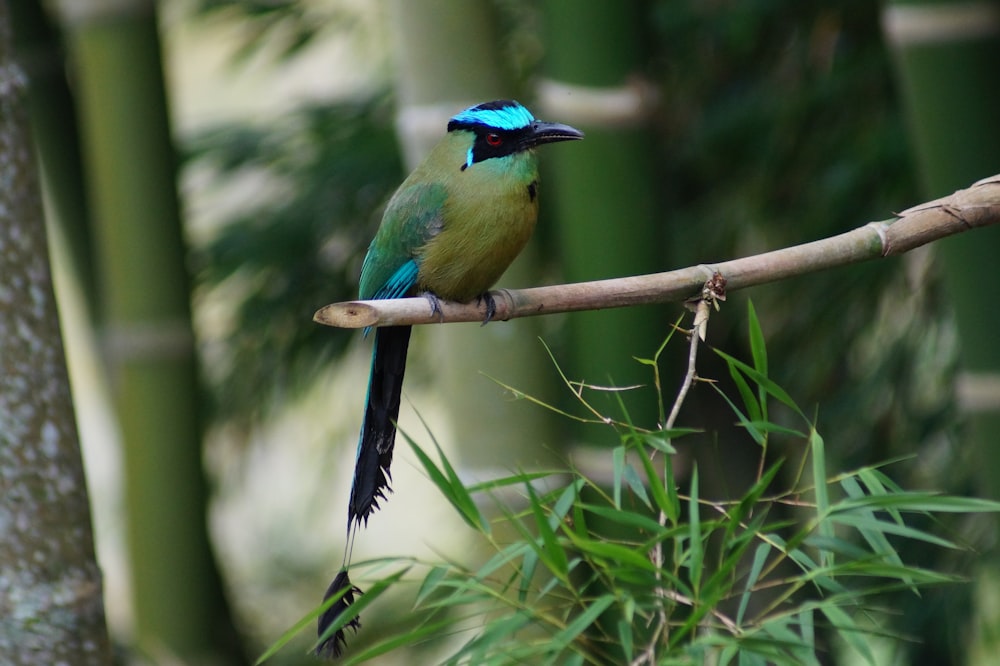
507 118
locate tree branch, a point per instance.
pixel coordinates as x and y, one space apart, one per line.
976 206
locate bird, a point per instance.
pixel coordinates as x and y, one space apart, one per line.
448 232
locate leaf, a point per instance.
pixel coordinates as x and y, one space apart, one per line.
848 630
749 501
419 634
513 480
772 388
581 622
430 583
753 406
747 423
695 552
664 492
636 485
625 638
626 518
759 558
868 523
496 633
618 462
769 427
613 552
818 454
922 502
450 486
758 350
554 555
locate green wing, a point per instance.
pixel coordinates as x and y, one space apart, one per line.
412 217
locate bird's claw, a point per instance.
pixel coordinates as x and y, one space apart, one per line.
491 305
435 304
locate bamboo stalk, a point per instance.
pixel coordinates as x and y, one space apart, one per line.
973 207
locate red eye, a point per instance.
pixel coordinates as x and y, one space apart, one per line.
494 139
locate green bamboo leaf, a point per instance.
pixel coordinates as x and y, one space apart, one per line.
449 485
758 348
528 566
848 549
787 638
414 636
495 633
618 467
626 518
818 455
759 558
875 484
661 439
804 562
863 523
874 477
581 622
808 632
747 423
580 519
907 574
567 498
503 558
636 485
758 351
769 427
613 552
848 630
875 538
664 492
749 502
513 480
537 551
695 552
750 401
431 582
556 556
921 502
768 385
625 639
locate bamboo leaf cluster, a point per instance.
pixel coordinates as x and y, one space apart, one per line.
772 576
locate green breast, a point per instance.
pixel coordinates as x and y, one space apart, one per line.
488 215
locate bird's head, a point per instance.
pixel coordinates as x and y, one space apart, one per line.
505 127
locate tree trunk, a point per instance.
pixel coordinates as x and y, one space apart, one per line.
51 606
55 131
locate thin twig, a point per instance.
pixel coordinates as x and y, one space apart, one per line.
713 291
976 206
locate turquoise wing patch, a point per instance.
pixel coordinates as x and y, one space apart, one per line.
400 282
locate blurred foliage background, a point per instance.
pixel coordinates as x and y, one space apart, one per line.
776 122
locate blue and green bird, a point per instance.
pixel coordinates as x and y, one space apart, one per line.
449 232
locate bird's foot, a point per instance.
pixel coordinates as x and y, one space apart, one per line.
491 305
435 302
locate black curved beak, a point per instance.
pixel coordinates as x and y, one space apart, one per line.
543 132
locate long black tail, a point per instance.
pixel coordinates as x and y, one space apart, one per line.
371 469
333 645
378 430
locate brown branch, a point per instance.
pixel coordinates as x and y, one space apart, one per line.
976 206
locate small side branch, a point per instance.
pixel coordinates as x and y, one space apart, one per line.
976 206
